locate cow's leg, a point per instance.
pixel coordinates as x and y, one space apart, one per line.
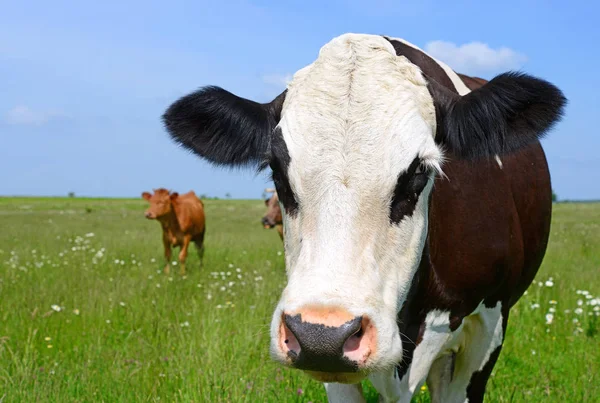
343 393
437 336
167 246
389 386
461 376
199 242
183 253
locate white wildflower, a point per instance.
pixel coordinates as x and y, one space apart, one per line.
549 318
56 308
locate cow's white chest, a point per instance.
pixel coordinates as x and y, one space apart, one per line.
446 359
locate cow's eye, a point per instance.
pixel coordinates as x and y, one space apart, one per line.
422 170
408 188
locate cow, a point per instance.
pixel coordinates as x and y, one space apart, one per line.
182 220
273 217
417 208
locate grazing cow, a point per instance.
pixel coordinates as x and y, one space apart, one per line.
273 217
182 220
417 209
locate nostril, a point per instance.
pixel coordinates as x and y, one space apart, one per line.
291 346
359 333
362 343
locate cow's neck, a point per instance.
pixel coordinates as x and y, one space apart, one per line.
169 222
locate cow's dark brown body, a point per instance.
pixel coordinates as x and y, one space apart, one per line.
489 224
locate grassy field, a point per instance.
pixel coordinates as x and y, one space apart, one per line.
87 316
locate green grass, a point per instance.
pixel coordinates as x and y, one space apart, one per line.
143 336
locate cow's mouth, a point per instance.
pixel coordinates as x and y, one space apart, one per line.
268 226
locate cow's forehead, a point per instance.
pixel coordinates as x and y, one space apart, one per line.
357 68
358 109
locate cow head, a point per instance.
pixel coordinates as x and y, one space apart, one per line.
354 144
161 203
273 216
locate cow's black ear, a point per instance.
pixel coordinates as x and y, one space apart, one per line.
223 128
504 115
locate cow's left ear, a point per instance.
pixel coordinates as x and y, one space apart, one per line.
504 115
174 196
223 128
146 195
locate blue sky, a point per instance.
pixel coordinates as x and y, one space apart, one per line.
83 84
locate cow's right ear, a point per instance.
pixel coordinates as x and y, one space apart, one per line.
146 196
223 128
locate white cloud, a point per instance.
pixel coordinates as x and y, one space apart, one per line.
277 80
23 115
476 57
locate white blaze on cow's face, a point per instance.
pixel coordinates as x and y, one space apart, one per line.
355 123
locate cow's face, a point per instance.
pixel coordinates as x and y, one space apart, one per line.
354 144
273 215
353 160
160 203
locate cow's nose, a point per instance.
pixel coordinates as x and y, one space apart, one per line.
265 222
333 341
148 214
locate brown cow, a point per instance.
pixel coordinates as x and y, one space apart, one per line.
273 218
182 220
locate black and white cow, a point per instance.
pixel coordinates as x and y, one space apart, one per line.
390 275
